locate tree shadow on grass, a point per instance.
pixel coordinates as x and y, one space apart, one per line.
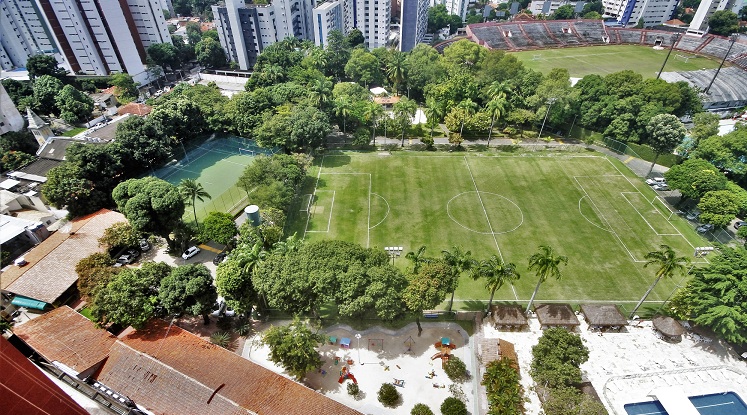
335 160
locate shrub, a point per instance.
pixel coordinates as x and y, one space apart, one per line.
243 326
388 395
455 369
453 406
421 409
221 338
353 389
428 141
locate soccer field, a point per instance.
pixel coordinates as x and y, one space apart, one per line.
604 60
588 207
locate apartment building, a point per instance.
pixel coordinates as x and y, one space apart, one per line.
457 7
24 32
328 17
630 12
699 24
413 23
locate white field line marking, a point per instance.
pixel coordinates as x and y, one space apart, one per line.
387 210
318 175
587 219
370 184
331 206
604 218
368 225
644 218
306 205
448 212
487 218
636 188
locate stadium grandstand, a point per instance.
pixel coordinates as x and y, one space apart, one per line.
529 35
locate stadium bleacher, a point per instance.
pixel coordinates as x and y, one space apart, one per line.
516 36
490 34
657 39
716 47
539 35
563 32
689 43
630 36
591 31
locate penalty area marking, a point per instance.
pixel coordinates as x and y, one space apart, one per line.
331 209
369 210
587 219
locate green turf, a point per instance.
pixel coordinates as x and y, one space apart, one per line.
604 60
589 208
73 132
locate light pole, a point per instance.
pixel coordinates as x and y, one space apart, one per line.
393 252
733 38
675 37
550 102
358 336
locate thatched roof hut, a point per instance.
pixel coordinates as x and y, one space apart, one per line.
556 315
603 315
508 315
668 326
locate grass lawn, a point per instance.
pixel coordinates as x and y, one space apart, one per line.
74 132
604 60
589 208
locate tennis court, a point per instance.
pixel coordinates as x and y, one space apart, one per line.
217 164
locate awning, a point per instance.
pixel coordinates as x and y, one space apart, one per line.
674 401
21 301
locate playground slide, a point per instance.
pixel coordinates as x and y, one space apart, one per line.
437 355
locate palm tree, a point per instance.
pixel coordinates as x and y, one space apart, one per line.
497 88
417 258
459 261
320 91
545 264
318 58
434 112
343 107
469 107
496 108
669 264
396 68
404 110
496 273
372 114
290 244
191 192
249 259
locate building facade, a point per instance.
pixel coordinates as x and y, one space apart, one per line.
24 32
10 118
699 24
413 23
630 12
327 17
372 17
457 7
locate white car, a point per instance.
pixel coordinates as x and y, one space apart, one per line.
656 181
190 252
661 187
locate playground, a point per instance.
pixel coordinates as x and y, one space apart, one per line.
375 356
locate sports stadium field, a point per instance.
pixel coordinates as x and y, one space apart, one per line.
608 59
586 206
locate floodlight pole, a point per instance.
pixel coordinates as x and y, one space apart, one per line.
732 38
393 252
358 336
549 101
675 37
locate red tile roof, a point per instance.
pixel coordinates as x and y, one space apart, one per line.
51 268
24 389
65 336
160 388
246 383
136 109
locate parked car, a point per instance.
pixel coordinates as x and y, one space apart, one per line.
704 228
221 309
662 187
190 252
692 215
144 245
739 224
220 258
655 180
128 257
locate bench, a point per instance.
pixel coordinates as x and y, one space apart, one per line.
430 315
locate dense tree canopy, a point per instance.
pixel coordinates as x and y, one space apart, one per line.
40 65
150 205
723 22
188 289
556 358
695 177
294 347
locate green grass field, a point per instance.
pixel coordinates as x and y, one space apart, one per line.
589 208
604 60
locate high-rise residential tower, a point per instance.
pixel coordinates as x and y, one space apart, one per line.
24 32
649 12
699 24
457 7
413 23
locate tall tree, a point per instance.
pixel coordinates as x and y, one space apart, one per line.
496 107
210 54
294 347
496 273
343 108
404 110
427 288
723 22
460 261
417 258
40 65
126 88
665 132
468 108
396 69
372 114
192 191
435 111
74 105
668 264
188 289
545 263
163 55
46 88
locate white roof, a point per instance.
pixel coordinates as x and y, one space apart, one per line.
378 91
9 184
674 401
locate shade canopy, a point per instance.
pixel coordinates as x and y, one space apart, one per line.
21 301
603 315
668 326
508 315
556 315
